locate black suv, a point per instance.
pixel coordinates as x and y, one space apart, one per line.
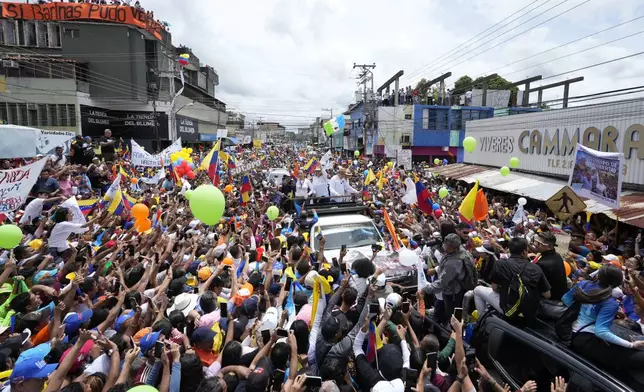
517 355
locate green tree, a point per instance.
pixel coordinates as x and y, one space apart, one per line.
463 83
422 86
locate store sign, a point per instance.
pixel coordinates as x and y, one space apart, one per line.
208 137
124 124
188 129
60 11
544 146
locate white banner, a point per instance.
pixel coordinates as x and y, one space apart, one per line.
404 159
247 139
140 157
597 175
77 214
160 174
222 133
25 142
15 185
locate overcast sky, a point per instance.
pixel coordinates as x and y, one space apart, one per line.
285 60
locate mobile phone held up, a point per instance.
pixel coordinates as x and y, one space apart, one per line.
374 308
266 336
158 349
431 359
287 286
282 333
406 306
343 248
458 313
312 382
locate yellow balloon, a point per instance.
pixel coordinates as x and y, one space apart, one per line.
190 151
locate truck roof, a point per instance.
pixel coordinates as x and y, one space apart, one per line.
342 219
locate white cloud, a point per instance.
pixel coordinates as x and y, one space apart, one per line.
284 60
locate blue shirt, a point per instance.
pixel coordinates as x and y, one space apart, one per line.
596 318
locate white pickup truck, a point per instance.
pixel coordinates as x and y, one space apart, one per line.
358 233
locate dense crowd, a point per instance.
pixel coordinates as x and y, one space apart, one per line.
247 304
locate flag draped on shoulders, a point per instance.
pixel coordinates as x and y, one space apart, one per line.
424 201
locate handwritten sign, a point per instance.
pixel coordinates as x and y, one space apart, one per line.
60 11
15 185
140 157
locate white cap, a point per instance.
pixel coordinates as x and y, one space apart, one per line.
610 257
394 299
381 280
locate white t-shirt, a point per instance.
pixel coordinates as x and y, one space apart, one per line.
60 233
56 162
33 210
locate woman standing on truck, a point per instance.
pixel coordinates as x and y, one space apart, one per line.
592 336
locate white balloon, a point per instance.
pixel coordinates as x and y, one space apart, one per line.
407 257
522 201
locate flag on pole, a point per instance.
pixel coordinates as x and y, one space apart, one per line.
212 163
392 231
481 206
466 210
381 179
424 202
334 125
246 189
370 177
310 166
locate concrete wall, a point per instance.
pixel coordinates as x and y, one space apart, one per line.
391 126
106 48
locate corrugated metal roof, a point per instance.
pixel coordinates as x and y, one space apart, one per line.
631 209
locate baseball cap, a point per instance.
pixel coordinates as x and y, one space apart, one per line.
204 273
31 364
82 354
121 320
610 257
74 321
486 248
148 341
258 378
6 288
381 281
203 334
249 306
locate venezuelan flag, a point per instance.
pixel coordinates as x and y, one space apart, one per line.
424 202
87 206
246 189
213 163
374 342
117 206
232 161
310 166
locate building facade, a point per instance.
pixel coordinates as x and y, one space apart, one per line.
95 73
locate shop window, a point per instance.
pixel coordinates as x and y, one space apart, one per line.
23 116
457 120
12 113
52 115
53 35
71 115
41 111
61 111
4 114
30 35
32 115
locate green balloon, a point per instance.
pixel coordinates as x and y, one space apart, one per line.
143 388
356 153
10 236
514 162
207 204
272 213
443 192
188 194
505 171
469 144
437 161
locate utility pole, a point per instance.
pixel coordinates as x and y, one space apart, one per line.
366 75
330 137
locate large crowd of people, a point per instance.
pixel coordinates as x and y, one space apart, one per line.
247 304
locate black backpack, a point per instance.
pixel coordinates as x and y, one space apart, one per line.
521 302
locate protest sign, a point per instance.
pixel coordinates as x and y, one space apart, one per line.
404 159
222 133
74 208
15 185
247 139
597 175
25 142
140 157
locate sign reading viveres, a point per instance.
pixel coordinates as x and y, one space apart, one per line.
72 11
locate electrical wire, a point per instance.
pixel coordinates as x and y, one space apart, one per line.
415 72
514 36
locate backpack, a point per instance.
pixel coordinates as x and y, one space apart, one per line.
521 302
471 275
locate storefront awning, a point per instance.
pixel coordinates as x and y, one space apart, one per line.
541 188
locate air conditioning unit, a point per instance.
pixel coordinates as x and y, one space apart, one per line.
9 64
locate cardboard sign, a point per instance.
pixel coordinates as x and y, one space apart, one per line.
60 11
15 185
565 203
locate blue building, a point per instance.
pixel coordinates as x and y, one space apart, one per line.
439 130
354 127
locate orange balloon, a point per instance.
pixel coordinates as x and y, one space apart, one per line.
140 211
134 180
229 188
142 225
567 268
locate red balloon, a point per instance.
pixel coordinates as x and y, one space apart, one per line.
191 175
184 163
438 213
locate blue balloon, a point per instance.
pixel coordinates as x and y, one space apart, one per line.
179 160
221 172
366 173
191 165
435 206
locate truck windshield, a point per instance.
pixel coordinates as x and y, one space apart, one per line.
352 235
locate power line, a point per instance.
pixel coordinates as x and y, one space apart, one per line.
514 36
463 43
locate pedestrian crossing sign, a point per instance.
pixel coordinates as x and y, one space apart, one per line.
565 203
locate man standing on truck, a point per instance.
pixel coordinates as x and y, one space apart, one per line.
322 185
340 185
